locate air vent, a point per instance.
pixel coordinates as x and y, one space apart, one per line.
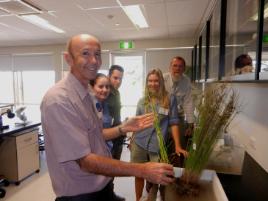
19 7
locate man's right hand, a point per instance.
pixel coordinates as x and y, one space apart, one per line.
138 123
158 173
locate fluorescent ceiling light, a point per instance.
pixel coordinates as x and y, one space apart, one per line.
136 16
38 21
19 7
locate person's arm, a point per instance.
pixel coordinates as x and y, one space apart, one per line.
159 173
175 131
133 124
173 123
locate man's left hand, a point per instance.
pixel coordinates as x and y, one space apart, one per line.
179 151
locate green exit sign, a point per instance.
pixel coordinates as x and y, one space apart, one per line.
126 44
265 38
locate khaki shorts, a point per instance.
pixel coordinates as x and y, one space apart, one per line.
140 155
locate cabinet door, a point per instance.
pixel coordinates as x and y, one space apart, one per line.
27 154
8 159
28 160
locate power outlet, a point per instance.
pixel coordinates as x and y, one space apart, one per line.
252 142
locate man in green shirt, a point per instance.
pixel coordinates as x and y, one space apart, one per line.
114 104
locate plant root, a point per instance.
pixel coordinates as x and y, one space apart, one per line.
189 189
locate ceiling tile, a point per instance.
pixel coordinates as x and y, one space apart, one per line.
107 18
156 14
185 12
86 4
184 31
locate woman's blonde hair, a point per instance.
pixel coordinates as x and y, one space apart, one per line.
162 94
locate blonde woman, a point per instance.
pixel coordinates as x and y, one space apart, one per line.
145 146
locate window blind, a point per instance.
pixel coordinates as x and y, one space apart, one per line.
5 63
33 62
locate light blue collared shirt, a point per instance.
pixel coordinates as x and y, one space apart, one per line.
147 138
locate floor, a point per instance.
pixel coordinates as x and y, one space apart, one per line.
38 187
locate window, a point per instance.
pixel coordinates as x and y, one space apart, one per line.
33 74
24 79
203 54
241 34
214 47
35 84
6 87
264 61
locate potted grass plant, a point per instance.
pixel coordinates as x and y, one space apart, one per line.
216 110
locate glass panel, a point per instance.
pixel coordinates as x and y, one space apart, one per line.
194 62
197 62
203 55
214 47
241 36
264 62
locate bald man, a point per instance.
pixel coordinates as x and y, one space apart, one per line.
79 162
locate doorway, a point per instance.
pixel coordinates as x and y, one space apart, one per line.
132 88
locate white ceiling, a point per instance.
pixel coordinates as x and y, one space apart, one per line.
166 18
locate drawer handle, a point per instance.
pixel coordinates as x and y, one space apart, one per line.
28 139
